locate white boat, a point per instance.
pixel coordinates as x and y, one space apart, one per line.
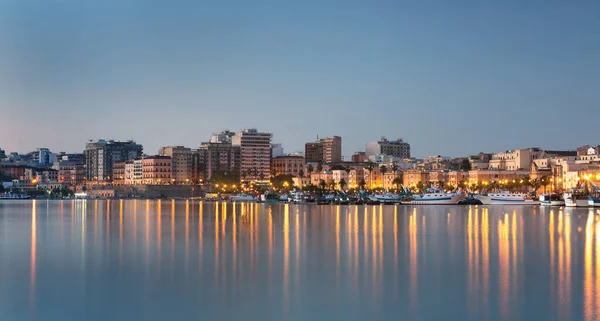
11 196
284 198
297 197
243 198
435 197
551 200
386 197
81 195
575 199
505 198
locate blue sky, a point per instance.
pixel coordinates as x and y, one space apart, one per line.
451 77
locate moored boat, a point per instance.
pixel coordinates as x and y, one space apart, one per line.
505 198
551 200
11 196
593 201
243 198
576 199
386 197
435 197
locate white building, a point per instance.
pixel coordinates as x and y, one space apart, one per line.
397 148
255 154
513 160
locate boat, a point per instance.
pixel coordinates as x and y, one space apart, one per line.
505 198
434 196
593 201
342 199
552 200
576 198
297 197
284 198
81 195
11 196
386 197
243 198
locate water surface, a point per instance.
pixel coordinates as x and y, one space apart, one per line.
187 260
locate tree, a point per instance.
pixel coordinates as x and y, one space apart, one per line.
342 184
369 167
322 184
362 184
465 165
84 188
394 167
273 172
397 181
320 168
332 185
383 170
348 170
309 169
420 186
301 173
1 188
535 184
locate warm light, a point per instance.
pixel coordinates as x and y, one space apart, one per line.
597 177
217 185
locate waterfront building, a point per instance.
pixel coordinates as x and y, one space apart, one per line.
355 177
373 177
100 156
219 160
118 173
480 161
255 152
134 172
288 165
181 159
300 182
488 176
388 180
75 158
397 148
326 150
412 177
456 177
70 172
157 170
338 175
438 178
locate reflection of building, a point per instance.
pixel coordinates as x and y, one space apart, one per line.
397 148
156 170
255 154
181 158
288 165
326 150
100 156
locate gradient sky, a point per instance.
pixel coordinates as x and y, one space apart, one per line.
450 77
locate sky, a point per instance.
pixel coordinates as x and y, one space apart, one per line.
450 77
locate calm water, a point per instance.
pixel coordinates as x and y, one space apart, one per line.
163 260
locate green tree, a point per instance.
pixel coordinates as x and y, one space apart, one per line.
332 185
343 183
322 184
420 186
397 182
362 184
301 173
309 169
465 165
320 168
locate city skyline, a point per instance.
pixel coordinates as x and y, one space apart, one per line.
451 79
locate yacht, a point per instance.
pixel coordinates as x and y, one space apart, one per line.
243 198
505 198
11 196
435 197
552 200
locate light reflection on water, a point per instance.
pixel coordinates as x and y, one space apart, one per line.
185 259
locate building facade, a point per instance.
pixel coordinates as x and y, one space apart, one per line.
157 170
255 153
181 158
288 165
133 172
100 156
397 148
326 150
220 159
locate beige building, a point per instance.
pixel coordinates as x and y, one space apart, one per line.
181 158
488 176
133 172
438 178
513 160
157 170
255 153
388 180
355 177
412 177
118 173
288 165
326 150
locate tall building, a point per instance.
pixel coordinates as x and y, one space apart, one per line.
220 159
255 154
358 157
222 137
181 158
76 158
326 150
100 156
276 150
396 148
